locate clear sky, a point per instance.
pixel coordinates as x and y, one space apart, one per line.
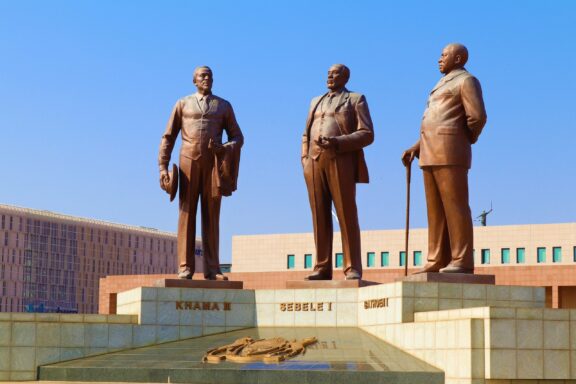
86 88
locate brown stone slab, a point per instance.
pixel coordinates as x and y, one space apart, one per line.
208 284
312 284
463 278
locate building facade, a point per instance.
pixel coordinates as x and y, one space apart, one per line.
52 262
511 245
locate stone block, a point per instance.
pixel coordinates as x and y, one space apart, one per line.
284 296
71 353
23 359
213 330
444 304
5 358
243 296
215 295
325 318
128 297
119 336
327 295
530 334
213 318
283 318
190 318
429 290
18 316
405 308
556 365
556 314
449 291
264 296
143 335
243 315
72 335
47 355
166 333
148 293
148 313
498 292
304 319
347 295
192 294
539 294
168 294
556 335
265 314
23 375
24 334
93 318
477 364
305 295
188 332
477 334
473 303
48 317
529 313
474 291
501 364
502 313
71 318
521 293
503 333
96 335
166 312
530 364
425 304
347 314
5 333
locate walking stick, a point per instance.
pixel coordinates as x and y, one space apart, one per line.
407 233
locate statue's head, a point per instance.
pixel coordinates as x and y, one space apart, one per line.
454 56
338 76
203 79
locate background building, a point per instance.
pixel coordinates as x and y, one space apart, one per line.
52 262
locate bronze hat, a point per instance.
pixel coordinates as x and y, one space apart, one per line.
173 183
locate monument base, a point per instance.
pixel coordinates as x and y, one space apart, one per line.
314 284
207 284
462 278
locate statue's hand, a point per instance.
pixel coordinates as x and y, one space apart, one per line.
327 142
164 179
409 155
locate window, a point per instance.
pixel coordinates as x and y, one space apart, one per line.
520 255
505 256
417 257
370 259
556 254
385 258
574 254
290 262
339 260
541 255
402 260
307 261
485 256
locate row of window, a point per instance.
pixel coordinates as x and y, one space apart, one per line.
370 259
505 258
541 256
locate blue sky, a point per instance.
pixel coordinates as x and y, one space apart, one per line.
86 89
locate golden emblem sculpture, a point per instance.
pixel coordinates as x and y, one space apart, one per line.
247 350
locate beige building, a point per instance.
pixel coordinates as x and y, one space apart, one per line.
510 245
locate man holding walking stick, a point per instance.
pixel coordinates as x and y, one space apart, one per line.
453 120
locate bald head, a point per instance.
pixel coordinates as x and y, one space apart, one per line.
454 56
338 76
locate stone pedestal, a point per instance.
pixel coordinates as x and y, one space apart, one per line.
317 284
206 284
461 278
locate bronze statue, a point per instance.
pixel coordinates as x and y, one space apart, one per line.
338 127
208 169
453 120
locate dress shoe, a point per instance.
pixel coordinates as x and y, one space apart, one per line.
353 275
185 273
317 275
454 269
218 277
434 268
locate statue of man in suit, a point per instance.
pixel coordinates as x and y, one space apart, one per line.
338 127
452 122
201 118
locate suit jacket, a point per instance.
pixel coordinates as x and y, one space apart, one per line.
187 118
453 120
356 131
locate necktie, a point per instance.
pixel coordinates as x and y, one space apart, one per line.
205 104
